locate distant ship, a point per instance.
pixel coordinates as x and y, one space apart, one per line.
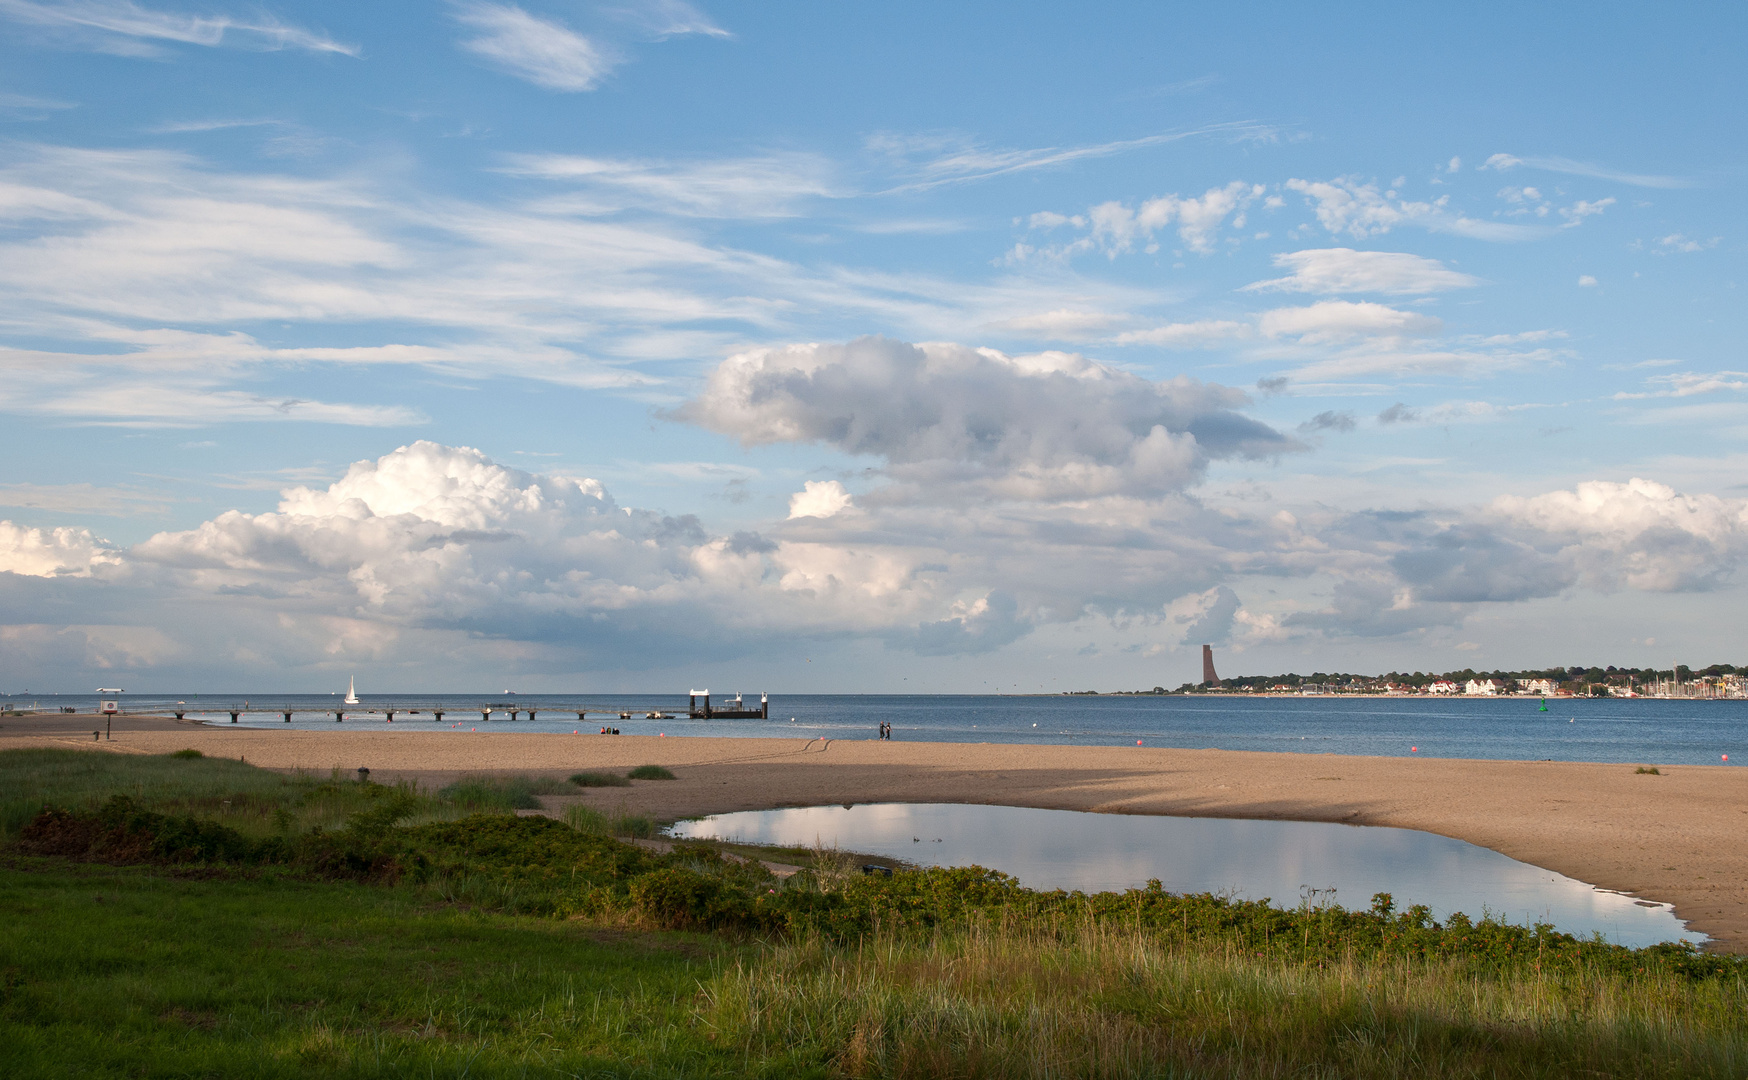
352 690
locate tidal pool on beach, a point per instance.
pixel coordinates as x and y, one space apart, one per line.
1279 860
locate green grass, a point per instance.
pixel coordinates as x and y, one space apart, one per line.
496 945
1643 771
1109 1002
592 822
599 779
650 772
253 801
503 792
126 971
122 972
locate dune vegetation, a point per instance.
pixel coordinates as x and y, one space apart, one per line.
176 916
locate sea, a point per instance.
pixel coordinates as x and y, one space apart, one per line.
1644 731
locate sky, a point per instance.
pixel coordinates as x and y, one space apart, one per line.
811 348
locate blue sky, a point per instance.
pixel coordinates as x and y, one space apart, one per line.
826 348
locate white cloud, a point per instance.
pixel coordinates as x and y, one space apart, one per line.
1060 324
1676 242
1585 281
435 557
124 27
1504 162
1639 534
46 553
1049 219
1689 384
669 18
773 185
85 498
28 107
1201 334
1116 228
952 422
937 160
105 250
1348 205
819 499
1578 211
1345 320
1205 618
1339 270
546 53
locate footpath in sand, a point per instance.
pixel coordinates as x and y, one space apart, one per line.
1673 838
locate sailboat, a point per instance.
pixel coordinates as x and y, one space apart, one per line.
352 690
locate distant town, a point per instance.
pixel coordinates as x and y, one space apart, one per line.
1716 681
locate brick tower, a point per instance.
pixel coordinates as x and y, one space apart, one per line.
1208 676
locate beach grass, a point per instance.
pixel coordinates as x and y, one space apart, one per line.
476 793
650 772
981 1001
599 779
128 971
592 822
256 802
408 943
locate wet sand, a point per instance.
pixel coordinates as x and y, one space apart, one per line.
1673 838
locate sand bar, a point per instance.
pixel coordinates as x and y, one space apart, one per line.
1673 838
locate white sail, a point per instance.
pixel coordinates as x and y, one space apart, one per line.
352 690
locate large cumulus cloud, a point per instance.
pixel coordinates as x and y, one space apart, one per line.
1403 572
1000 495
952 422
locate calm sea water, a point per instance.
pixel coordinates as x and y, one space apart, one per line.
1640 730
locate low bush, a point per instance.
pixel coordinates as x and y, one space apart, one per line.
502 792
599 779
539 865
650 772
187 755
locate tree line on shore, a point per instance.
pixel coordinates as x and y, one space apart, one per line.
1577 680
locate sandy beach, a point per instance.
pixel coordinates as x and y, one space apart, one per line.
1673 838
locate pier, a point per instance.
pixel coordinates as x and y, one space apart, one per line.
698 708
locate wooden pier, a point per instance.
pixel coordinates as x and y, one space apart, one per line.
698 708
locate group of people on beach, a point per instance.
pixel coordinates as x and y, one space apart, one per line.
885 730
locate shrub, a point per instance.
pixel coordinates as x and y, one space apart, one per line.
650 772
599 779
188 755
492 793
677 897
